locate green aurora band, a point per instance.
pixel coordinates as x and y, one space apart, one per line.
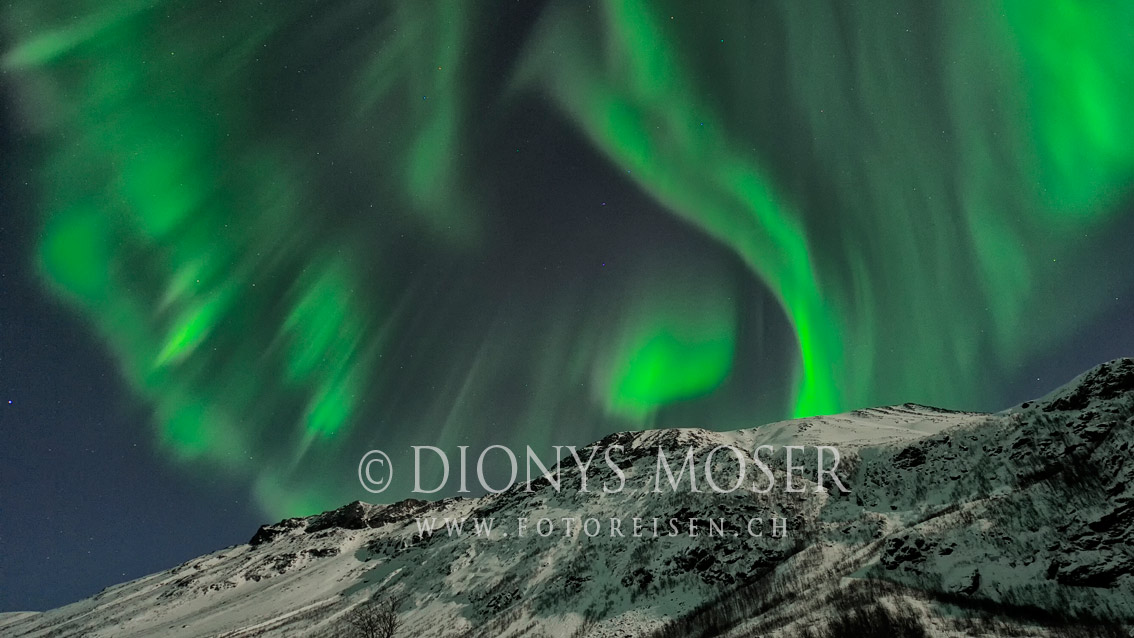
279 218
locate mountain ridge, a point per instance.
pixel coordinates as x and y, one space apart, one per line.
958 523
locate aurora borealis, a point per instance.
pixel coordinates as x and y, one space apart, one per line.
303 229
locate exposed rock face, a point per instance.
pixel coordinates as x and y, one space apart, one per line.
1107 382
909 458
1031 509
905 552
356 515
268 533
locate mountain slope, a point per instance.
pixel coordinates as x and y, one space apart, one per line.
955 524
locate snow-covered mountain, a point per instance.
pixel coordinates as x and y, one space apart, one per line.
956 524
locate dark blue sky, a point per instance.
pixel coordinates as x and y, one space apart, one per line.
84 500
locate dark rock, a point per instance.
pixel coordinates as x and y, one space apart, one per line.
903 551
1105 382
1098 569
970 584
269 533
352 516
910 457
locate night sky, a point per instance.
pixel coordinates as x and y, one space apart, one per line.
242 243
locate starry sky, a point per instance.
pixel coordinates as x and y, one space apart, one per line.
241 243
